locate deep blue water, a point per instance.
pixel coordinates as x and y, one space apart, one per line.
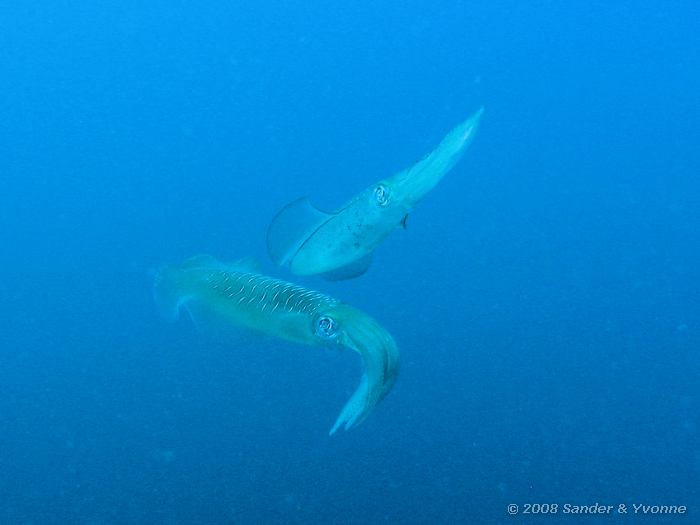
545 296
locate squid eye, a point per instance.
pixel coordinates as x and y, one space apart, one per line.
381 195
326 327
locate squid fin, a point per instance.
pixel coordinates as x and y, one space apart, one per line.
290 229
167 292
200 261
217 326
247 264
349 271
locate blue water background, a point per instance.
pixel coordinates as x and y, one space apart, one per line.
545 296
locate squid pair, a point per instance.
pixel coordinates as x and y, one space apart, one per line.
307 241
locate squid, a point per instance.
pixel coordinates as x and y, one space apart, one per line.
237 294
340 245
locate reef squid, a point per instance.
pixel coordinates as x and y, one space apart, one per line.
340 245
238 295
